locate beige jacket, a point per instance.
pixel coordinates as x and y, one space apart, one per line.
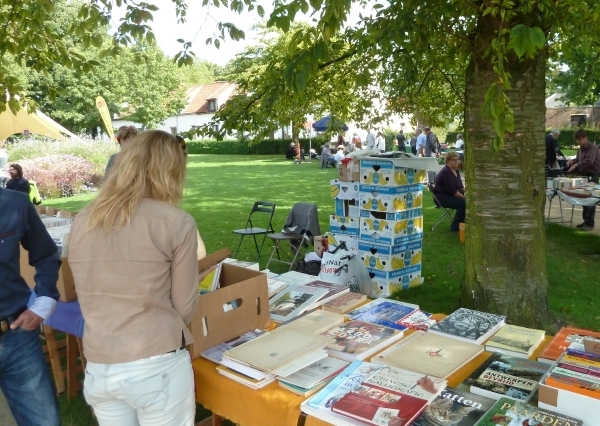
138 286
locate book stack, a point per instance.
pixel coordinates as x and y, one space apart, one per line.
565 338
469 326
293 301
344 223
316 321
281 352
394 314
576 371
311 379
391 223
516 341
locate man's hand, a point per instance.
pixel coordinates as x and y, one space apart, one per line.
573 167
27 320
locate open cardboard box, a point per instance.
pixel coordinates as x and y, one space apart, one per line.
65 283
572 404
212 324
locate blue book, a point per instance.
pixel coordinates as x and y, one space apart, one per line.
388 314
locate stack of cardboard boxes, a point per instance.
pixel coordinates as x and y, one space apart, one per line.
344 224
391 223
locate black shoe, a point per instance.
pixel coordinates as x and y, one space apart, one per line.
581 225
587 228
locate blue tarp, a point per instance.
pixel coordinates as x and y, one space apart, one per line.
323 124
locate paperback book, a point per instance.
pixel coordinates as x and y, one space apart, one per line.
453 407
469 326
366 307
386 313
507 412
317 321
211 281
562 340
245 380
359 340
515 341
507 376
215 354
296 278
431 354
294 300
344 303
242 263
313 375
275 286
418 320
333 291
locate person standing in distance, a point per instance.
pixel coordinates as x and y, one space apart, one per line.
460 143
400 141
413 144
17 182
24 374
371 138
421 142
587 162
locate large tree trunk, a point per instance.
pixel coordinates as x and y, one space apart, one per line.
505 240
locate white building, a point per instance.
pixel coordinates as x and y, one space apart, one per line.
203 102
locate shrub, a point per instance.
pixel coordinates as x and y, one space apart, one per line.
61 175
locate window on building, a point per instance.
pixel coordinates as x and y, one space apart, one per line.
578 120
174 131
216 128
212 105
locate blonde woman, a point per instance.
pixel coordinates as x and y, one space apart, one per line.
124 134
133 253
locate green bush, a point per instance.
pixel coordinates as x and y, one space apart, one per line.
566 141
264 147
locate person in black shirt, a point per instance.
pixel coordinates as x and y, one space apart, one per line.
17 182
450 191
552 149
400 141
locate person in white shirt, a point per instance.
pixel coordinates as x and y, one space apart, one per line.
371 138
460 143
380 142
421 142
339 155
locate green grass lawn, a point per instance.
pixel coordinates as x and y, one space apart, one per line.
222 188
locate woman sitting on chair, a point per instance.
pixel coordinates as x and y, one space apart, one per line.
449 189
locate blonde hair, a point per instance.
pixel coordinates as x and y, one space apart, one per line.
451 155
151 165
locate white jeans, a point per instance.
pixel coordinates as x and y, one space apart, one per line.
156 391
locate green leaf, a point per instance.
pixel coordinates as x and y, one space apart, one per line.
497 143
519 41
300 81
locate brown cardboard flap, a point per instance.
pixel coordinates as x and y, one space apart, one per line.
548 395
212 325
213 259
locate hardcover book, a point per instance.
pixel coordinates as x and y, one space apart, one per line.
333 291
272 351
348 380
507 376
431 354
468 325
386 313
390 396
515 341
453 407
418 320
507 412
275 286
562 340
344 303
294 300
296 278
316 322
316 373
376 302
358 340
245 380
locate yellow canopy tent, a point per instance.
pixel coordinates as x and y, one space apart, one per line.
38 123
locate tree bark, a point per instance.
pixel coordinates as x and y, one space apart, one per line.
505 236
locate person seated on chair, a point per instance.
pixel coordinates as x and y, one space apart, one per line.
290 152
339 156
449 189
326 157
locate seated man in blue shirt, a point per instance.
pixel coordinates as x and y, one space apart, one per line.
450 191
24 375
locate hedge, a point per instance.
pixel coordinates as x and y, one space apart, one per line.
264 147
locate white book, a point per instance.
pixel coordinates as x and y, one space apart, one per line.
275 286
246 381
298 278
242 263
293 301
300 363
316 372
316 322
244 369
215 354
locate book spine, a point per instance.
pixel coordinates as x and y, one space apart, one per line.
580 361
581 354
582 390
576 381
580 369
323 393
576 373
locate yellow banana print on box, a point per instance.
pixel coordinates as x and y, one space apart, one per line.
416 258
368 204
400 226
392 288
419 176
401 178
416 281
418 200
418 222
381 207
335 190
369 179
397 263
399 204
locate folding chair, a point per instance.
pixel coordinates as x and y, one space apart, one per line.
301 226
267 207
447 211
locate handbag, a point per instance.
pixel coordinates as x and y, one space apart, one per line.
343 267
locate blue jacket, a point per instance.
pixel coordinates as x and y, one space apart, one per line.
20 223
